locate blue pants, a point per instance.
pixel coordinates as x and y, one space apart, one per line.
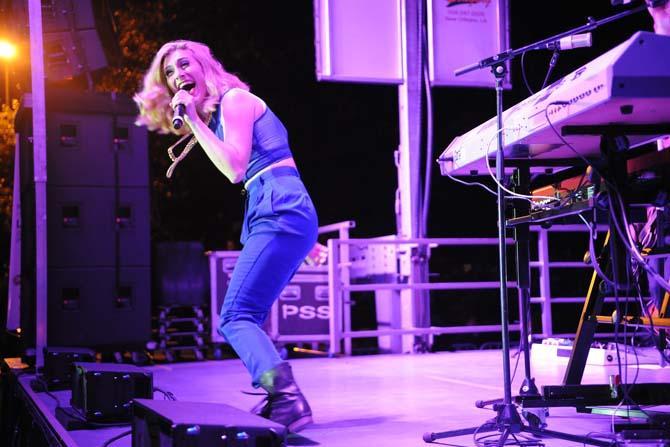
280 228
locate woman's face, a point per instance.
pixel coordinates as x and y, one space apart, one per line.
183 72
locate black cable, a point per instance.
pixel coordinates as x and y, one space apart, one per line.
593 257
600 435
45 390
569 146
491 440
425 205
167 395
637 359
516 364
519 349
626 388
74 413
618 318
489 190
463 182
612 190
626 309
117 437
626 399
523 73
552 64
417 100
572 195
488 424
629 244
653 233
657 344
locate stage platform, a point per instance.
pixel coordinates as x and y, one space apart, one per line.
365 401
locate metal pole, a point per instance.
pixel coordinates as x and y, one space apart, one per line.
502 252
507 415
14 295
415 307
40 173
545 282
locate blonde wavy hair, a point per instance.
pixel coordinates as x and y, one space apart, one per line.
154 98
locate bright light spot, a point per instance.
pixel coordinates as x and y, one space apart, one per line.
7 50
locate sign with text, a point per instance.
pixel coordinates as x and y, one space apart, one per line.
463 32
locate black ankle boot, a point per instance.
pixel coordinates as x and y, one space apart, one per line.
284 402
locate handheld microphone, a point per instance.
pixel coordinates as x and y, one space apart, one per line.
179 109
178 117
571 42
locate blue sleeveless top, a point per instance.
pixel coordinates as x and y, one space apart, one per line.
269 142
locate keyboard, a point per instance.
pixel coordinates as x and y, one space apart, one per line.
630 84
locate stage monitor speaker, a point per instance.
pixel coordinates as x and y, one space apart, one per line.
59 365
159 423
103 392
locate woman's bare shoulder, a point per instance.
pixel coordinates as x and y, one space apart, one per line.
239 98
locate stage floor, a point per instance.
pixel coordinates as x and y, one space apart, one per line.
379 400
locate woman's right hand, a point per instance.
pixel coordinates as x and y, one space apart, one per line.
184 98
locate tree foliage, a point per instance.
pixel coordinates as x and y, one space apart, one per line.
6 165
141 30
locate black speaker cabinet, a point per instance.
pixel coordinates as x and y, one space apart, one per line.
164 423
98 226
86 308
103 392
85 225
59 365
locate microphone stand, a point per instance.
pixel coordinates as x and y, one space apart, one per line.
508 421
501 58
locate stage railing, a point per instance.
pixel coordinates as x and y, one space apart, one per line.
344 264
339 282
